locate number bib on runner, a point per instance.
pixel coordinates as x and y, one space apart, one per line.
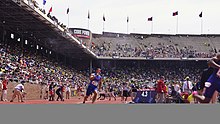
95 83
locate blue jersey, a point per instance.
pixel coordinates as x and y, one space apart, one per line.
96 80
93 84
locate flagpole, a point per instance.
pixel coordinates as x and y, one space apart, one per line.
177 24
68 21
88 18
152 26
127 27
127 23
103 26
201 25
88 23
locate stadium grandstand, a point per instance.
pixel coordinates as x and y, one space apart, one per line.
155 46
38 49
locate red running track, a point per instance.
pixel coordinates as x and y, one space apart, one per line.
73 100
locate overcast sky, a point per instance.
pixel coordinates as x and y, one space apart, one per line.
116 12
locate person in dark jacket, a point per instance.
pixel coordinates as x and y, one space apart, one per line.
59 92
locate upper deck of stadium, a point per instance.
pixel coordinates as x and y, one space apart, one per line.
156 46
26 20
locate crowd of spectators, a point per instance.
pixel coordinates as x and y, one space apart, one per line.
32 68
147 74
107 48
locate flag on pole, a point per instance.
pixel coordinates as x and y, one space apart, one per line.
200 15
68 10
50 10
88 15
44 2
127 19
175 13
103 17
150 19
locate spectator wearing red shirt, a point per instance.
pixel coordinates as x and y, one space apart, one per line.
161 90
4 89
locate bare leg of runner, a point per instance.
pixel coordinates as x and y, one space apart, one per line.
94 97
85 98
214 98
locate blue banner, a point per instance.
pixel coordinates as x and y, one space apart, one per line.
145 97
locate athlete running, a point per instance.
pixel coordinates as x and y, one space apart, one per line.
94 86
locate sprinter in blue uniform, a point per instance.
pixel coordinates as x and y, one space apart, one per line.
94 85
213 82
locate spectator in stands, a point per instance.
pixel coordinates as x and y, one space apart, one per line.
125 92
133 92
68 91
111 91
187 87
177 87
161 90
4 89
46 96
79 91
52 91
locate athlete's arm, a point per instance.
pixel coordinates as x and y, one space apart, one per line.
213 64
